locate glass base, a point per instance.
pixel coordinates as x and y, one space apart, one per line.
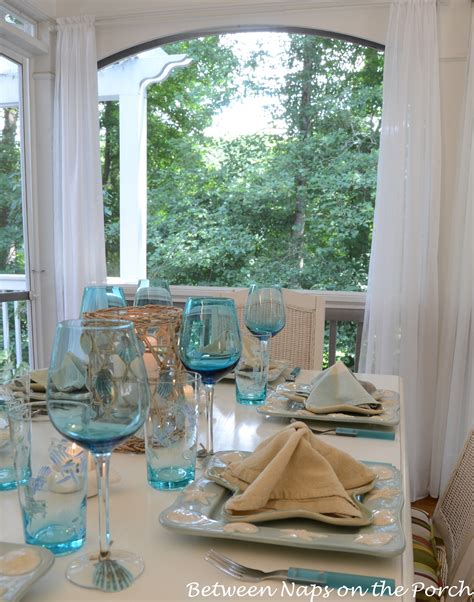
245 401
112 575
7 485
54 539
7 478
170 477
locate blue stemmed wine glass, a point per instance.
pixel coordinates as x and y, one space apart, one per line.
97 397
153 292
210 345
97 297
264 314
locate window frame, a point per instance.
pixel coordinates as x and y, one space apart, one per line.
24 293
334 299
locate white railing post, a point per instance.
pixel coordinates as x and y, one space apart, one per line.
6 326
17 320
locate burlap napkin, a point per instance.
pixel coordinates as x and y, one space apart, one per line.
336 390
295 470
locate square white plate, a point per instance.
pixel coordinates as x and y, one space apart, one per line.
277 405
16 586
198 510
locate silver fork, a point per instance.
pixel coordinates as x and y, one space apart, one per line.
239 571
333 580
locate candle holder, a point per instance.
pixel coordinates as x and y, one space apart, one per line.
157 329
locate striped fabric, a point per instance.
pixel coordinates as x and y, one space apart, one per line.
424 554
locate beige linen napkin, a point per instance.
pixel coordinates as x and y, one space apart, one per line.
39 380
294 470
336 390
251 354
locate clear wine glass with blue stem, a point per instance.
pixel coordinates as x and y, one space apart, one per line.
210 345
264 314
97 397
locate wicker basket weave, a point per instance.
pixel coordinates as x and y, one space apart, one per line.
157 328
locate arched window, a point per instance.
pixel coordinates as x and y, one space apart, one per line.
255 160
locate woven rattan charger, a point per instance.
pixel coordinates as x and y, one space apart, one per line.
157 327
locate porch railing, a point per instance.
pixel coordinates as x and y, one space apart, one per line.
344 319
14 329
335 317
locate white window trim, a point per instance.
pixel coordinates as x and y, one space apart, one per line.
17 41
26 180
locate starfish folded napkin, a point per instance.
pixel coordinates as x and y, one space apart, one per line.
295 471
336 390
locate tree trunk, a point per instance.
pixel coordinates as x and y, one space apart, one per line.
304 124
107 144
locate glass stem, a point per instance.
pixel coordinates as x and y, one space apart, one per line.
264 356
209 389
102 465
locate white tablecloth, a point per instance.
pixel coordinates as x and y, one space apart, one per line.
175 566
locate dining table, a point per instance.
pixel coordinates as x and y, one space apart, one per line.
175 564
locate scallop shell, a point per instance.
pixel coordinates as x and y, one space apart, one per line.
126 351
103 384
110 576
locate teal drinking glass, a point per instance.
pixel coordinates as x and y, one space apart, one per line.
7 470
209 344
264 316
102 297
97 397
52 482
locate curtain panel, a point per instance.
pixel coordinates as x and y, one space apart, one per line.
400 333
454 415
78 206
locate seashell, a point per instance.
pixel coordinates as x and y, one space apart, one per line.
19 562
126 351
240 528
103 384
111 576
86 343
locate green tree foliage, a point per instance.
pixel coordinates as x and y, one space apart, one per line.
294 206
109 134
12 257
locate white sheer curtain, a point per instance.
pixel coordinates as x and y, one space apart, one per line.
401 321
455 395
78 206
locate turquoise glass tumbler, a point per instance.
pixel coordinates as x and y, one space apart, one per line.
52 482
171 430
251 373
7 470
